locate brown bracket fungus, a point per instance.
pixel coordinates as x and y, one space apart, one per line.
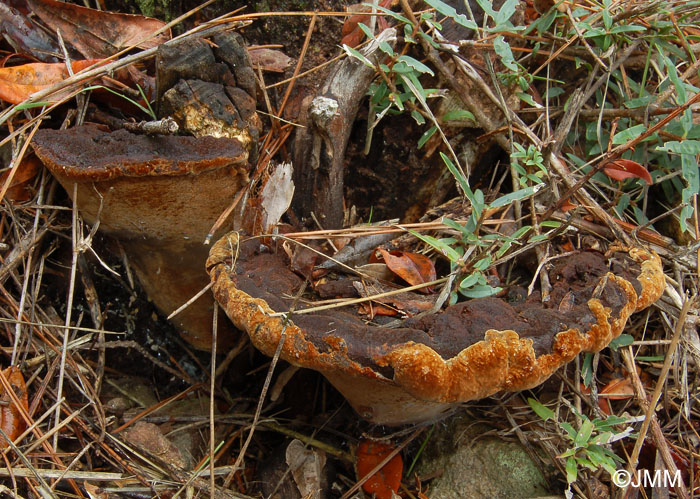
159 195
471 350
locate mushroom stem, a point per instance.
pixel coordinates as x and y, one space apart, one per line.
382 403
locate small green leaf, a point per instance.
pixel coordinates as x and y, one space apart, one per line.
469 281
458 115
537 238
545 413
650 358
481 291
543 23
463 229
681 147
582 461
621 341
629 134
600 439
439 244
527 98
396 99
610 421
521 231
515 196
387 49
457 174
408 33
571 470
639 102
357 55
416 64
584 433
426 136
553 92
418 118
487 7
502 48
567 453
449 11
483 263
365 29
505 12
626 28
568 429
587 369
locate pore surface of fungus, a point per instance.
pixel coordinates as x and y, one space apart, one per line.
159 195
469 351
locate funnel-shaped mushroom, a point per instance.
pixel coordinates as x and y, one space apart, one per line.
471 350
159 195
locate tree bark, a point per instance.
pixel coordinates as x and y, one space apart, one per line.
319 148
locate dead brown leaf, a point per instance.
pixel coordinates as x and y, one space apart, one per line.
97 33
269 59
411 267
25 37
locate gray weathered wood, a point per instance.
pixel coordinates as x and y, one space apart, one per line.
319 148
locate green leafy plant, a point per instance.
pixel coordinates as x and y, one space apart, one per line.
471 253
391 93
529 164
601 31
668 158
589 445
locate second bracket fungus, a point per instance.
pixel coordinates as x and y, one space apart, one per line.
471 350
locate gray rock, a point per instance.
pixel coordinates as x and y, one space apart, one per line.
470 465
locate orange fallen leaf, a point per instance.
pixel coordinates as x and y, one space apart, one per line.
567 246
352 33
97 33
411 267
567 206
18 190
11 420
622 169
386 481
618 389
19 82
376 309
531 11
